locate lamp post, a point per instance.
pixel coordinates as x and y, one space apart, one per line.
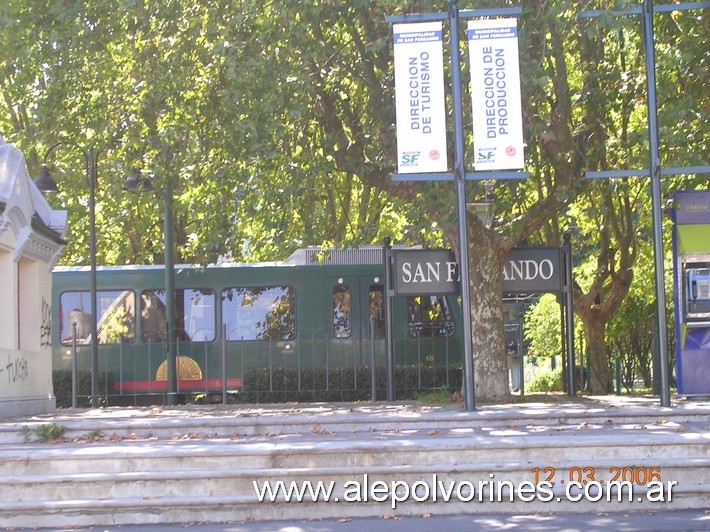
138 184
45 183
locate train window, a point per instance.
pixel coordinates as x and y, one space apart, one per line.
376 297
259 313
194 315
342 323
117 317
429 316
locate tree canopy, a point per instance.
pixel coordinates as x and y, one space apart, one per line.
272 125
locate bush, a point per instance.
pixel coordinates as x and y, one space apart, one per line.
283 385
549 381
342 384
62 381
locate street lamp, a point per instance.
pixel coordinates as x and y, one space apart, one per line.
45 184
136 183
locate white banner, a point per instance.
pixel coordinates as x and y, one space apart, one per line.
419 96
495 93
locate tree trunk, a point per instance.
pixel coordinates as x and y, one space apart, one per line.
489 350
600 375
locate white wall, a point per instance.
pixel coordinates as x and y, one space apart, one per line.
26 258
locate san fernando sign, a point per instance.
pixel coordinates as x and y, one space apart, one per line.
525 270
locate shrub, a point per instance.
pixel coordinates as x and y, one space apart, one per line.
62 381
342 384
548 381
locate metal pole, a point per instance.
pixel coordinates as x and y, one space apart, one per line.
91 175
171 355
91 160
74 367
459 170
373 361
569 314
224 363
389 336
655 172
563 333
521 354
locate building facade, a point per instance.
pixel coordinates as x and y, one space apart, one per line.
31 241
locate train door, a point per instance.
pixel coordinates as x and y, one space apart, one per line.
429 335
349 303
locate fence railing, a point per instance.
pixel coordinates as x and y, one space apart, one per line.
270 370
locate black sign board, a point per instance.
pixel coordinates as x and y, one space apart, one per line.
529 270
525 270
425 272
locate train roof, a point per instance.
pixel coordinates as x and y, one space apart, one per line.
143 267
310 256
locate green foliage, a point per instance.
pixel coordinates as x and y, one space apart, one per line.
548 381
95 435
342 384
542 328
443 395
62 382
50 433
271 125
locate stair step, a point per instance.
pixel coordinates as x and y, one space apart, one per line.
228 423
200 465
148 510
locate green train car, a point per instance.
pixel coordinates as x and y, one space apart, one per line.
231 318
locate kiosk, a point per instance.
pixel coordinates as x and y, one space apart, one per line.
691 290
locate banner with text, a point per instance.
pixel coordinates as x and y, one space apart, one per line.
495 93
419 97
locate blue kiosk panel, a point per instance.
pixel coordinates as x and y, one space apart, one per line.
691 290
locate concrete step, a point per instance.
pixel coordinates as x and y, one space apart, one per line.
363 449
230 482
187 464
201 422
214 479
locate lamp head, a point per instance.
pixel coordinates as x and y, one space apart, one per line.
44 181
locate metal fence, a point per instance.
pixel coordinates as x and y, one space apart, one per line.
267 371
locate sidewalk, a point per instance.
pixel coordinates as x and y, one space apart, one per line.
556 413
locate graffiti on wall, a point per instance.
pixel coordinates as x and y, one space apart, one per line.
17 370
45 329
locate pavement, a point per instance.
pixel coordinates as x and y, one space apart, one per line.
675 521
529 415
